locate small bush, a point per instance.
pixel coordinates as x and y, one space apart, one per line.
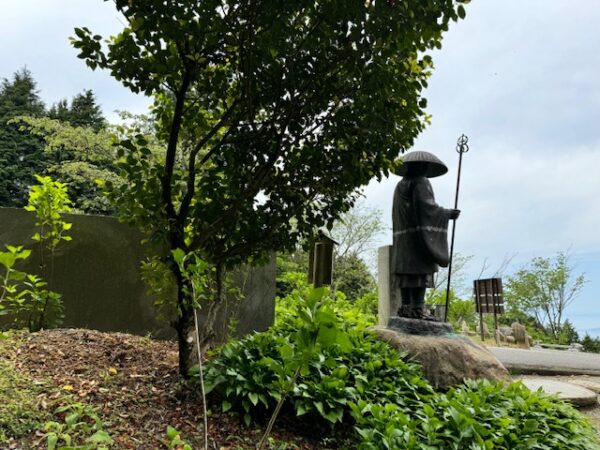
479 415
247 374
591 344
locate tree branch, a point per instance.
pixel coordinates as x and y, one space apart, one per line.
191 181
172 148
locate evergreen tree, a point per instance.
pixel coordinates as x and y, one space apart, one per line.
20 156
60 111
83 111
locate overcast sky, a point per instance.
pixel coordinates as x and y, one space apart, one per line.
519 78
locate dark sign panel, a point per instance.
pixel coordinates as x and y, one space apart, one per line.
488 296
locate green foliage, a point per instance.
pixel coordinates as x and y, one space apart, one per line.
266 134
544 289
67 142
20 156
175 440
462 310
336 363
370 385
19 411
459 309
352 277
368 304
22 295
83 112
590 344
81 157
480 415
11 278
291 262
49 200
568 333
81 429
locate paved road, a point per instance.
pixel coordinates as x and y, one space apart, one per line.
548 362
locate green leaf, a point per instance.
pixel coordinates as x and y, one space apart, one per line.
172 433
100 437
253 398
52 440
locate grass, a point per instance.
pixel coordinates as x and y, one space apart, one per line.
20 411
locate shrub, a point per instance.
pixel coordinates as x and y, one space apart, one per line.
23 296
478 415
591 344
248 374
371 386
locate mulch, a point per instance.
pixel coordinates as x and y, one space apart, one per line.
133 382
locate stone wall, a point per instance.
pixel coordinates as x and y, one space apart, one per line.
98 275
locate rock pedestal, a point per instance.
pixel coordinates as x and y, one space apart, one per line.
447 359
419 327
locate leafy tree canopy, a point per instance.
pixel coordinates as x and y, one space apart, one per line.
544 288
80 157
272 114
298 101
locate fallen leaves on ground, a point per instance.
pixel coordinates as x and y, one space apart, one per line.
134 384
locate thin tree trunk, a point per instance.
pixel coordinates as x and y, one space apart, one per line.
183 325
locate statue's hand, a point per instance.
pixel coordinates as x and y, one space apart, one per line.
454 213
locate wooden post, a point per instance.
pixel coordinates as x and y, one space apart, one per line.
480 308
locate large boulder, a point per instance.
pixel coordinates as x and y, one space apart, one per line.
448 359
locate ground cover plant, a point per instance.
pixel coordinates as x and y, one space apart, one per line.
370 387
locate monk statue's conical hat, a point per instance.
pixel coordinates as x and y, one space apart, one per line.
435 167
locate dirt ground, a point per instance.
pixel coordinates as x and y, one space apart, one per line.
134 384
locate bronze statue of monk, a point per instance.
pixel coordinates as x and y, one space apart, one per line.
420 232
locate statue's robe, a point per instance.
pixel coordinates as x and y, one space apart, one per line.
420 229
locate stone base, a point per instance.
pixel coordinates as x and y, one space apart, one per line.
448 359
419 327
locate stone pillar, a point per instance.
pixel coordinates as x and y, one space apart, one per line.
388 303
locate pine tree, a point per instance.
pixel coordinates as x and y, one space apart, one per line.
60 111
20 155
83 111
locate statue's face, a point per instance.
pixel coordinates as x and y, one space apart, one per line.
416 169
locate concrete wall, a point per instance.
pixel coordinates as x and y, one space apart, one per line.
98 275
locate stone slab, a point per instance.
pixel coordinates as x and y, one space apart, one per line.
569 392
419 327
588 384
548 362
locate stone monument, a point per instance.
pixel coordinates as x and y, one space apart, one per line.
406 270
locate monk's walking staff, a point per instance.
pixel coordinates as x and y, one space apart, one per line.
461 147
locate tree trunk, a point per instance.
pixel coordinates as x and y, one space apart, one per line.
184 325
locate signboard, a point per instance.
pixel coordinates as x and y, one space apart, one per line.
488 296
